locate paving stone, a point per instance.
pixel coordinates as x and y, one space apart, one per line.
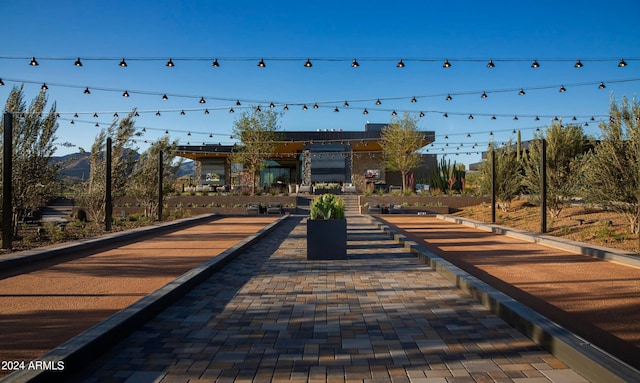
381 315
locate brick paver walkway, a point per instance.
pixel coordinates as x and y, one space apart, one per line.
271 315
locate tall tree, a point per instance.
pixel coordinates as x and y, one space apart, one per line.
121 132
566 147
400 142
613 176
508 174
143 184
34 177
257 131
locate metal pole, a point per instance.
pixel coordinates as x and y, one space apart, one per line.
7 190
493 185
160 171
543 187
108 205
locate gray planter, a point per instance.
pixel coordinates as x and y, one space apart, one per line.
327 239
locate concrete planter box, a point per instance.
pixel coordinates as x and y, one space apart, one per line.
326 239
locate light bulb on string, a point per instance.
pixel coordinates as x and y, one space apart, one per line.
446 64
308 64
261 64
315 106
535 64
123 63
182 113
87 91
346 104
78 62
202 100
231 110
562 89
33 62
601 86
125 94
170 64
449 98
355 64
622 63
491 64
400 64
215 63
164 97
578 64
365 111
206 111
44 86
413 100
484 95
521 92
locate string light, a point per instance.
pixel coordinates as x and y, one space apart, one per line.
535 64
215 63
78 62
125 94
578 64
491 64
562 89
86 91
33 62
346 104
1 82
231 110
484 95
202 101
365 111
521 92
400 64
413 100
261 64
421 114
355 64
378 102
308 64
170 64
182 113
286 107
123 63
164 97
44 86
446 64
601 86
622 63
449 98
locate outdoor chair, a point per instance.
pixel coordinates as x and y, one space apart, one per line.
374 209
253 208
274 208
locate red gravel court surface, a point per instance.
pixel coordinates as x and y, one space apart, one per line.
44 305
598 300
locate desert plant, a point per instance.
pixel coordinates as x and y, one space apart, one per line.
327 206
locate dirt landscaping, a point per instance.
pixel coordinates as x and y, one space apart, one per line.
580 222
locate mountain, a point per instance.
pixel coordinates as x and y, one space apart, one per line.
75 166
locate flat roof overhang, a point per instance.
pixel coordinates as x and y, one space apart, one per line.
294 142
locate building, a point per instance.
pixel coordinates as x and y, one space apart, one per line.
308 157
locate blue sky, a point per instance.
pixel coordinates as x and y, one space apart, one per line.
331 34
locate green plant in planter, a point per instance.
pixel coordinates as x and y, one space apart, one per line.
327 206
